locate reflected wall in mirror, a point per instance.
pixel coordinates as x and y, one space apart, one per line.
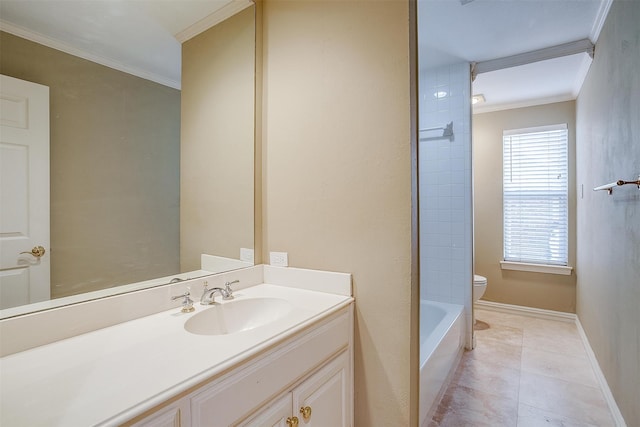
217 150
130 202
114 178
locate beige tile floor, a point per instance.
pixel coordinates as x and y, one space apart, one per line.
524 372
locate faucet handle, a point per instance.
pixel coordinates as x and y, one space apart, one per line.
187 303
205 286
228 290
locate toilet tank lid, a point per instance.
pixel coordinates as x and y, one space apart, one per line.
479 279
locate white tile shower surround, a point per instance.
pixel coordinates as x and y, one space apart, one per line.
445 185
524 372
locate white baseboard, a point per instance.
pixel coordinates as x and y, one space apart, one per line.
526 311
604 386
570 318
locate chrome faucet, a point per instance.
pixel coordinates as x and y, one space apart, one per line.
187 303
227 287
209 295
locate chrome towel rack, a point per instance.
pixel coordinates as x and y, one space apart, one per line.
609 187
447 131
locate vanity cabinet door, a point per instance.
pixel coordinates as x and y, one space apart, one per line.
238 395
273 415
324 399
175 415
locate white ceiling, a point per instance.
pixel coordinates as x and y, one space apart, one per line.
141 37
450 32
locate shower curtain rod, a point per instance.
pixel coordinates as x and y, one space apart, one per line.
566 49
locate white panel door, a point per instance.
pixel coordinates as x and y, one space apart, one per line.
24 192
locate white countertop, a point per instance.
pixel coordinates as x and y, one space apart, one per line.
111 375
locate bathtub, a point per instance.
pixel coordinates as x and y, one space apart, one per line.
441 344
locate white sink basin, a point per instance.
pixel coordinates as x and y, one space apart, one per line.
237 316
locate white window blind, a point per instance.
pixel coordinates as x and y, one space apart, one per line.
535 195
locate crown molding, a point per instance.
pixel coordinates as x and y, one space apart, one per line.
481 109
36 37
601 17
215 18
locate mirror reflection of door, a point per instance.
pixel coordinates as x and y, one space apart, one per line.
24 192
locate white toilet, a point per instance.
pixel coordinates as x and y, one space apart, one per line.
479 286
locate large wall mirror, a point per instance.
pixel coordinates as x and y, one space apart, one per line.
150 146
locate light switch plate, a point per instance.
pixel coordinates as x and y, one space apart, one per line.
279 259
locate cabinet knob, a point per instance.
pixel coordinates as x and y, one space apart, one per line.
292 421
306 412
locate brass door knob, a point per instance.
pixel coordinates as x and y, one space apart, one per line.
292 421
306 412
37 251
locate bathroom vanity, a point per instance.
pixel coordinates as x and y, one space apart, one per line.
279 353
311 370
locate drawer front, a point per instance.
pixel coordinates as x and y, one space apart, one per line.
235 396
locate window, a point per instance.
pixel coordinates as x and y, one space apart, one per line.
535 195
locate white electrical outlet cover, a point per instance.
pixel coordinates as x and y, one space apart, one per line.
246 255
279 259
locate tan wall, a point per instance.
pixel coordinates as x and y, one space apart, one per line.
608 148
216 204
114 169
540 290
337 173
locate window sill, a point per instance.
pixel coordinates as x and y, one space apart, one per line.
536 268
